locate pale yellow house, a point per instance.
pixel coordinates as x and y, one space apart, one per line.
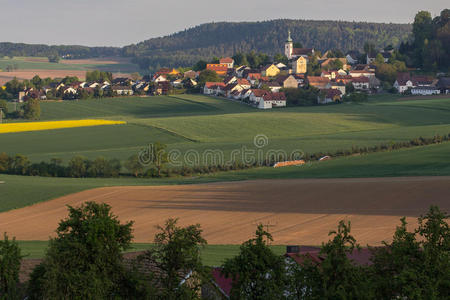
270 71
300 65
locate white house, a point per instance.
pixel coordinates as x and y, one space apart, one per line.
160 78
123 90
403 82
212 88
425 90
361 83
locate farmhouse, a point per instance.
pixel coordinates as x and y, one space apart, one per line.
329 96
212 88
270 71
300 65
122 90
319 82
220 69
227 61
425 90
288 82
361 83
271 100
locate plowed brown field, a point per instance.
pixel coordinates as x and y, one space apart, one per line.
298 211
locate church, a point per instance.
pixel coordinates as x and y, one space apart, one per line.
297 56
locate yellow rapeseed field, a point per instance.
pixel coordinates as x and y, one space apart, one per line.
36 126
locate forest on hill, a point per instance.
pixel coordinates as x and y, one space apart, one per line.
222 39
205 41
41 50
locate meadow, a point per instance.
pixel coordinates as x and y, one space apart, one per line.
431 160
199 123
212 255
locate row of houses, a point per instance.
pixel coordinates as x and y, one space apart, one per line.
421 85
158 84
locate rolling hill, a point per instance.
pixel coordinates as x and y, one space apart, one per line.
205 41
225 38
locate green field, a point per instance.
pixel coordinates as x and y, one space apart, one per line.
199 123
432 160
212 255
41 63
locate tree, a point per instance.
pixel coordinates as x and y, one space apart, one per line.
257 272
369 49
341 279
32 109
78 166
134 165
416 264
200 65
349 88
85 260
10 259
3 107
281 58
158 156
4 162
19 164
176 253
54 58
208 76
379 59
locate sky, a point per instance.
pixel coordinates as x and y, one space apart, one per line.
123 22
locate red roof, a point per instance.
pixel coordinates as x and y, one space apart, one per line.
302 51
331 93
254 75
361 79
222 282
243 81
359 257
214 84
226 60
274 96
219 68
259 92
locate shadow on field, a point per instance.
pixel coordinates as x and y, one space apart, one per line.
393 197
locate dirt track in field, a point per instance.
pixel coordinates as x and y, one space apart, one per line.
299 211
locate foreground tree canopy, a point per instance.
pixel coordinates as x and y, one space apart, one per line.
86 261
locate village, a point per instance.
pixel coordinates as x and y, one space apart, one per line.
264 87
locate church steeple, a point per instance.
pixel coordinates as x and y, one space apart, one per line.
289 40
289 46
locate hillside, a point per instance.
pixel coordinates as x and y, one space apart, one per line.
186 47
221 39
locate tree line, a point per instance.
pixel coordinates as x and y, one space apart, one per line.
155 165
85 261
205 41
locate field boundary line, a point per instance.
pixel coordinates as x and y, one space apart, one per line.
165 130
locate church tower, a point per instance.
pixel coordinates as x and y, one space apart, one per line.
288 46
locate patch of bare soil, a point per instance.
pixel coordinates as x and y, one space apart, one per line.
298 211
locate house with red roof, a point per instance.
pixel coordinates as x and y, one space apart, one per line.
220 69
319 82
329 96
361 83
213 88
227 61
